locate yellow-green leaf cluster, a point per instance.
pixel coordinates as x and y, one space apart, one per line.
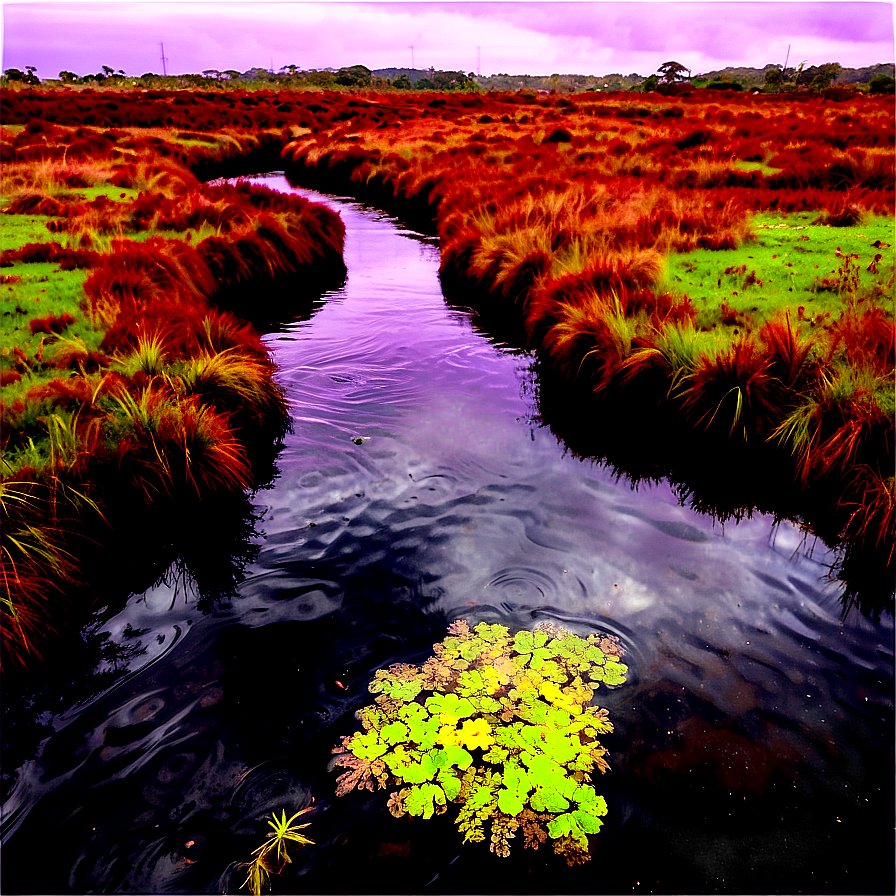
500 724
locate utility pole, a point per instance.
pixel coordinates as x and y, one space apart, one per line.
787 57
164 59
412 57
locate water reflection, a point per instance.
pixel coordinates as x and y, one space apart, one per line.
726 481
193 566
752 750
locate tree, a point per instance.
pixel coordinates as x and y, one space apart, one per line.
14 74
831 70
650 84
68 77
881 84
31 75
354 76
774 76
673 71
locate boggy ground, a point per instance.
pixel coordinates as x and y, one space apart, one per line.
137 393
708 283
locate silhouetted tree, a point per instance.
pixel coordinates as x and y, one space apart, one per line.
673 71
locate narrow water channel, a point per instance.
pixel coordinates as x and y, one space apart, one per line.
753 748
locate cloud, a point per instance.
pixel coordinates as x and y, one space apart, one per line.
533 38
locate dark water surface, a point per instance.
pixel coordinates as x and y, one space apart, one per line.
753 750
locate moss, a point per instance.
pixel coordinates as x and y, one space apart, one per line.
501 725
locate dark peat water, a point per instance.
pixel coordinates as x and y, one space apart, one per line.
753 742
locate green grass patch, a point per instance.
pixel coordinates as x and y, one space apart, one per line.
765 170
35 291
791 263
110 191
18 230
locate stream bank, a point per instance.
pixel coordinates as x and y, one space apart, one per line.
752 749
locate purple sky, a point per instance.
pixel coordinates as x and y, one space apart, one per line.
519 38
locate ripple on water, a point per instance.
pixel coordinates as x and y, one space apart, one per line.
280 595
750 705
522 583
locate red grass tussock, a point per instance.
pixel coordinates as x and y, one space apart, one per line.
178 403
51 323
563 229
732 391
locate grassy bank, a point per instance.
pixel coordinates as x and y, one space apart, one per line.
717 271
134 384
722 267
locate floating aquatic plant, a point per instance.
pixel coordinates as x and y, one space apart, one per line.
500 724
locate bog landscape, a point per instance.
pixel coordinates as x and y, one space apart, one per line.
418 486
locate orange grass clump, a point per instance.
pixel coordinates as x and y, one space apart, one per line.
556 213
176 400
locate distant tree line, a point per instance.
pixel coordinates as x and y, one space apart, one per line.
287 76
670 77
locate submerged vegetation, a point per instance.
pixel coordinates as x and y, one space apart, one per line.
499 724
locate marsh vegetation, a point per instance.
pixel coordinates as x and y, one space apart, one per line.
696 294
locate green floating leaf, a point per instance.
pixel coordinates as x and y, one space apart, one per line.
504 728
450 705
394 732
567 825
492 633
423 799
614 673
403 691
450 783
400 760
367 746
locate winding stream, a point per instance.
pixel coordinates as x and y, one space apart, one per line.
753 743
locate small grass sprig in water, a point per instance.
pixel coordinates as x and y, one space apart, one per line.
283 831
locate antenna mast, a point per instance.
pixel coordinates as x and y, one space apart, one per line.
787 57
164 59
412 57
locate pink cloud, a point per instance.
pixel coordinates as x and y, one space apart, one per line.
534 38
